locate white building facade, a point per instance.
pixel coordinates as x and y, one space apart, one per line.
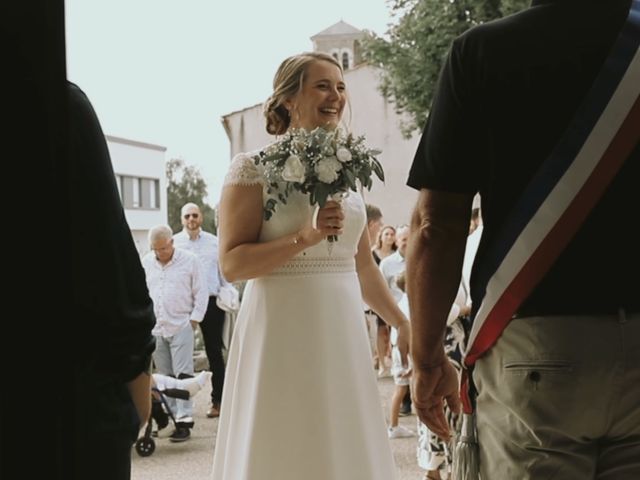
140 175
371 115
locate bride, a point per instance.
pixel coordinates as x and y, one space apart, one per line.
300 399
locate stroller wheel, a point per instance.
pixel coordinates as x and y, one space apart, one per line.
145 446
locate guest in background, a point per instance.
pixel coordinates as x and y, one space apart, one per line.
179 294
205 246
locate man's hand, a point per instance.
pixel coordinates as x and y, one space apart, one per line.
194 324
431 387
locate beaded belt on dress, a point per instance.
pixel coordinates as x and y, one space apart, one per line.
302 266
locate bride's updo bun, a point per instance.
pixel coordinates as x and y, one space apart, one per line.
286 83
278 118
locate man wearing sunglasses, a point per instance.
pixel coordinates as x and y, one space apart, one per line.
205 246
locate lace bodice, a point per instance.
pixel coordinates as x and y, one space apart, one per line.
244 171
297 212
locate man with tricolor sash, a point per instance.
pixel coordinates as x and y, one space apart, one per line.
539 113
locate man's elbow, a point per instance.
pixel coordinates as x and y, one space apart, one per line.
440 215
431 230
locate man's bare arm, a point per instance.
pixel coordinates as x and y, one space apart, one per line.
435 254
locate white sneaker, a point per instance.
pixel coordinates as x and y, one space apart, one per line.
400 432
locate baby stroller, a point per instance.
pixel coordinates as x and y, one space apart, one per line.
169 387
160 416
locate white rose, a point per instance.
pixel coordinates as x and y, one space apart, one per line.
327 169
343 154
293 170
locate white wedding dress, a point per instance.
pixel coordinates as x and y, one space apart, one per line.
300 399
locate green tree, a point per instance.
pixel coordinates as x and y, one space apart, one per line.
185 184
417 44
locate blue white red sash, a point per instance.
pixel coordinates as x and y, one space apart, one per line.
600 138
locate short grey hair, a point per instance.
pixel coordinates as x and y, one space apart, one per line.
159 232
402 229
188 205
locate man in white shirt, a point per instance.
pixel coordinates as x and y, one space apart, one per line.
177 288
205 246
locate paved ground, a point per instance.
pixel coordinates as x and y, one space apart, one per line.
192 459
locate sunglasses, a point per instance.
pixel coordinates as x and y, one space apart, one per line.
194 215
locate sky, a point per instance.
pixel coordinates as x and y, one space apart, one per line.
165 71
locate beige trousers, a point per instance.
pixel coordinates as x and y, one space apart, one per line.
559 398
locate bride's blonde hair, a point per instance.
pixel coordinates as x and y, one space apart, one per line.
286 83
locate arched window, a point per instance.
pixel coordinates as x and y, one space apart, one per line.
345 60
335 55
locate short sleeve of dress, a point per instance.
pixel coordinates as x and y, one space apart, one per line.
243 171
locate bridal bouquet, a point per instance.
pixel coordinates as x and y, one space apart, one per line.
323 163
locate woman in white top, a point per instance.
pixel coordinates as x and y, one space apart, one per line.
385 243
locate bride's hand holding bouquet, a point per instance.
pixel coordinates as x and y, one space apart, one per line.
328 221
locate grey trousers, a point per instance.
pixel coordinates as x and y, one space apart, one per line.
173 356
559 398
